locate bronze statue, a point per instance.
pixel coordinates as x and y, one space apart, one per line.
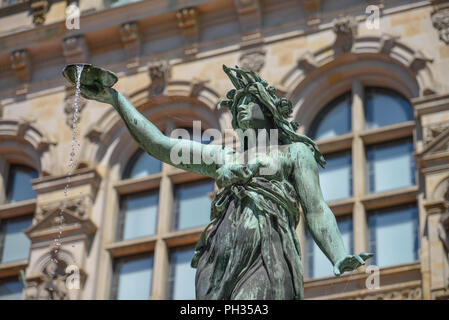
251 251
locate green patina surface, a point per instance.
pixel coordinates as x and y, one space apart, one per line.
251 250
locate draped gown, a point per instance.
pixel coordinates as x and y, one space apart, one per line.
252 251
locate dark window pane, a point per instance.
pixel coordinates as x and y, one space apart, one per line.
19 185
132 278
394 236
333 120
336 178
138 216
193 204
141 165
319 265
11 289
385 107
391 166
14 245
182 278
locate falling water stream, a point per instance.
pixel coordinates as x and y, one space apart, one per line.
74 147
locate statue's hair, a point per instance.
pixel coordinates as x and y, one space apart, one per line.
278 109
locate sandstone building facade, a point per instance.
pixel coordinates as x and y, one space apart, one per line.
374 94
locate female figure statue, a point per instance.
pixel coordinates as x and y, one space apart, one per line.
251 251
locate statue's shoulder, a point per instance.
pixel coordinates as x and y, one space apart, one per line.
301 151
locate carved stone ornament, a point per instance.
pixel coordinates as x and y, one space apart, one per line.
345 28
78 206
440 20
404 294
69 108
159 73
52 283
75 49
21 64
252 60
39 9
433 131
188 23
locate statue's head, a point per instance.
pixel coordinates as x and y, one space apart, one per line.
254 105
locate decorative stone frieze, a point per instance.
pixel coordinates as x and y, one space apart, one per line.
159 73
188 23
75 50
345 29
403 294
253 60
21 64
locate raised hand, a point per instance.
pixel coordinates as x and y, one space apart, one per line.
350 263
98 93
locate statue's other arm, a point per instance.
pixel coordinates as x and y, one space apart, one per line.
153 141
319 218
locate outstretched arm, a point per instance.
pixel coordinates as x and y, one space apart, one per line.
319 218
152 140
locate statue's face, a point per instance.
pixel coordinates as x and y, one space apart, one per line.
250 114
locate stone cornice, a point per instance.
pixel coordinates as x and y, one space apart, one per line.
430 104
56 183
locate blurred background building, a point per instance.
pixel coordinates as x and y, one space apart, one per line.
373 93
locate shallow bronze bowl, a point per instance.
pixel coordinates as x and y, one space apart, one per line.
91 75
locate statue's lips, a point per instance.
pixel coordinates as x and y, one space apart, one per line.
91 76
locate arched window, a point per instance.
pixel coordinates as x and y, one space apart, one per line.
141 165
159 203
366 167
385 107
334 119
139 210
19 185
14 244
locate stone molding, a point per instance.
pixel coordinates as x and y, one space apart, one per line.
85 176
29 133
384 48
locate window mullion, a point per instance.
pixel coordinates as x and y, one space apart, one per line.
358 168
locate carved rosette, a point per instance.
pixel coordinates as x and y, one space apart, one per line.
69 108
159 73
440 20
252 60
